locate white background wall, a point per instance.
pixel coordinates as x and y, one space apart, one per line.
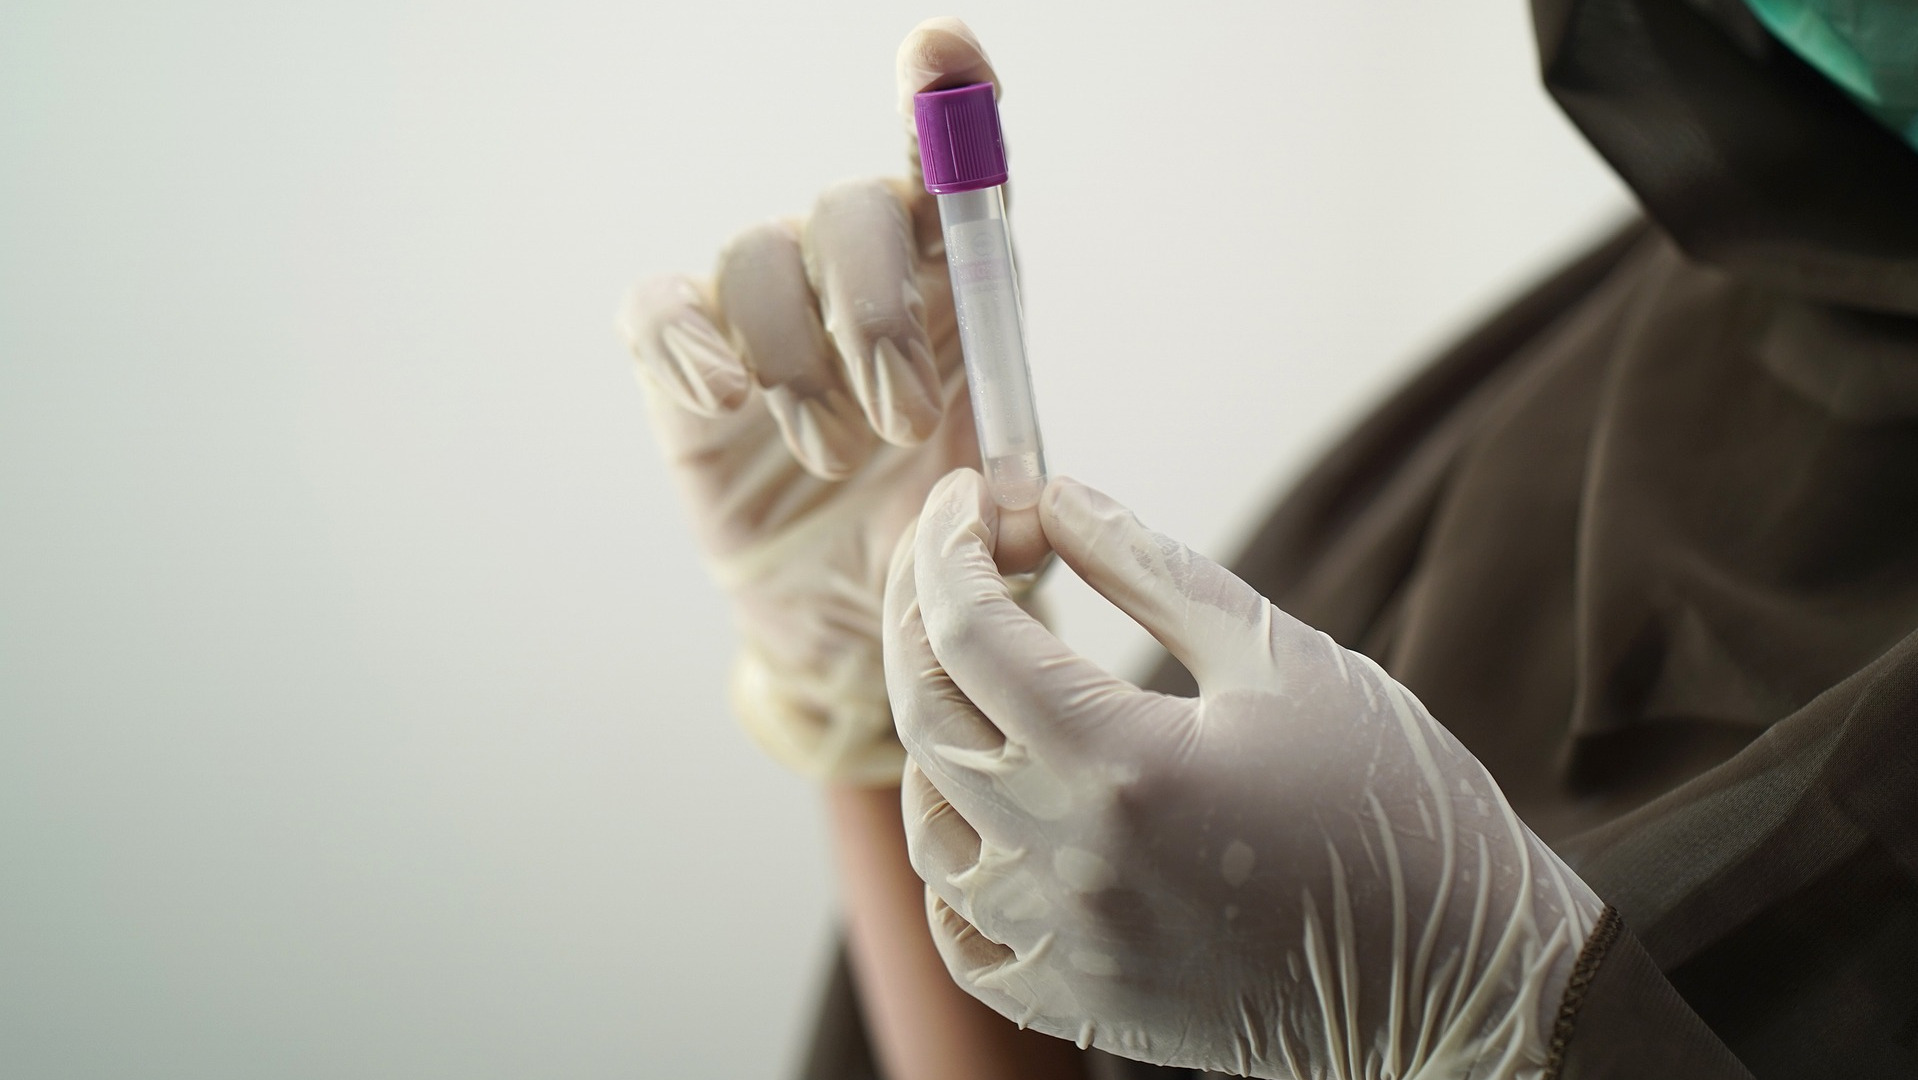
360 693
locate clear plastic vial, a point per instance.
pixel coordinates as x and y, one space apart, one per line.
965 166
992 331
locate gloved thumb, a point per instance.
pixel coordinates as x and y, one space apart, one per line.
1219 627
937 54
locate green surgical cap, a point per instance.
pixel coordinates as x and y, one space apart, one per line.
1867 47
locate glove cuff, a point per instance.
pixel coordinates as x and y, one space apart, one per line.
1552 917
826 733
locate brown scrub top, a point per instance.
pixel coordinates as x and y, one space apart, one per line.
1647 543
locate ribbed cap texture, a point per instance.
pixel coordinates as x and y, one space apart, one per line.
959 144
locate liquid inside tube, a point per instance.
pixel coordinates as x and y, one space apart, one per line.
985 291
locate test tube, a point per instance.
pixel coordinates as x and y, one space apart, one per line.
964 160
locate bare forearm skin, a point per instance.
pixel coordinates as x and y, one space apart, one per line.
923 1027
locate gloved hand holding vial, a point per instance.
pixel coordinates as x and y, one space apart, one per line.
963 157
1299 869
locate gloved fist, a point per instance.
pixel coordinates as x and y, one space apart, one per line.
807 396
1298 873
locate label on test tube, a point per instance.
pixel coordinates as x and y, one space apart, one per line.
974 253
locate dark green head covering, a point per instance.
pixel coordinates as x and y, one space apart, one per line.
1744 153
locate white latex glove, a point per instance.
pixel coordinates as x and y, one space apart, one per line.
1298 873
806 398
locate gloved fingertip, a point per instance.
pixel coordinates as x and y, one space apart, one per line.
708 373
1097 535
680 352
952 494
1019 545
905 408
1070 509
1059 486
820 437
940 52
958 514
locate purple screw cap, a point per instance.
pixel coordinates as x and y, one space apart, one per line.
959 144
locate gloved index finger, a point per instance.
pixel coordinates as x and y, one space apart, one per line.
938 54
1218 626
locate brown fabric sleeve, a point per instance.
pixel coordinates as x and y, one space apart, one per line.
840 1049
1621 1020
